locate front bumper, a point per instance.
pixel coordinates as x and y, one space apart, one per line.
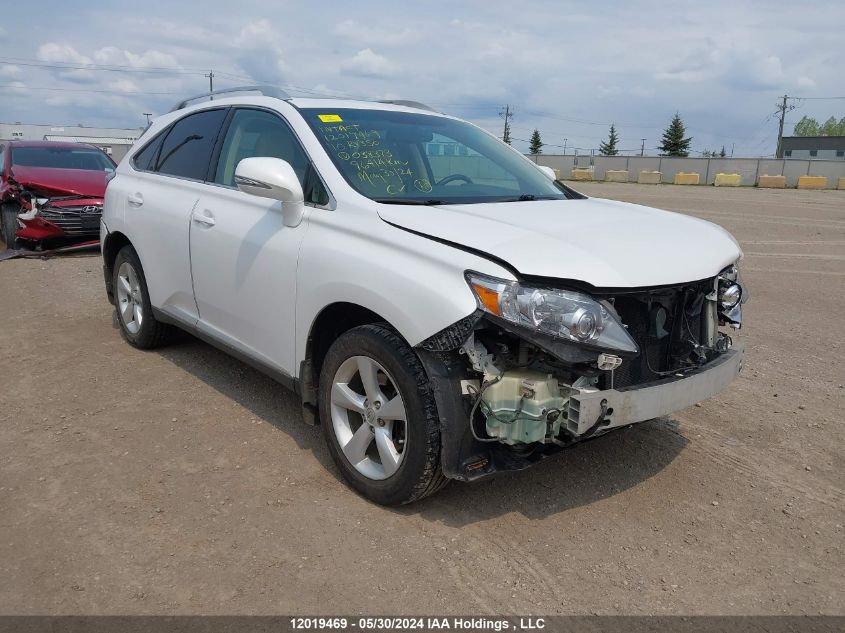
601 410
466 459
61 221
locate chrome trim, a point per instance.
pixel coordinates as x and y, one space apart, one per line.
242 180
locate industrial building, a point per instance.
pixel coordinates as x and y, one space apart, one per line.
113 141
814 147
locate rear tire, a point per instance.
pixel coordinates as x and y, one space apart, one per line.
132 304
9 217
383 433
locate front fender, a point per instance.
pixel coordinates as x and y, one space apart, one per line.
415 284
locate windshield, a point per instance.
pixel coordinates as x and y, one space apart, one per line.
409 158
62 158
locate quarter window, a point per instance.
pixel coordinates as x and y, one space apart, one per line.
186 150
258 133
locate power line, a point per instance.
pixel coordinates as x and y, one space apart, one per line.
87 90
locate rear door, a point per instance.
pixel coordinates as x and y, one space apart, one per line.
243 256
165 185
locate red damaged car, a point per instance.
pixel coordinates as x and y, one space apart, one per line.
51 192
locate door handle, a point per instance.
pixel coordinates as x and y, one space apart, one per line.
201 218
135 199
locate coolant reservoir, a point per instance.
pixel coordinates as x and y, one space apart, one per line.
518 405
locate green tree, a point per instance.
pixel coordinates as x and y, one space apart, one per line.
536 144
608 148
806 127
723 153
829 127
674 143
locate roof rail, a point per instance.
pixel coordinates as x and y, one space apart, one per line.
408 104
267 91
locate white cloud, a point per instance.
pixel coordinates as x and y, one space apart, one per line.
54 52
256 34
564 72
366 63
354 31
121 57
10 70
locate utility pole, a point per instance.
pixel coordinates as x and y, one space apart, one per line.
210 76
564 146
507 114
782 109
148 115
642 148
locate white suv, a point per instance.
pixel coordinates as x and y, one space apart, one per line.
443 306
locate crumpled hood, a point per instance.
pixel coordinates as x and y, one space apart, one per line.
61 182
604 243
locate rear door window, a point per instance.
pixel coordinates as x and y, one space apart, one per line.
144 160
187 148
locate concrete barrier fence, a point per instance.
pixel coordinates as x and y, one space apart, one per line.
771 182
650 178
582 174
750 170
812 182
841 183
728 180
687 179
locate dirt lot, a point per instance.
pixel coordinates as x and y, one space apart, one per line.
182 481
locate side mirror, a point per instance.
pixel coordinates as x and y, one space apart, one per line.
548 171
273 178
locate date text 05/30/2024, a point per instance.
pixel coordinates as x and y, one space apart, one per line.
417 623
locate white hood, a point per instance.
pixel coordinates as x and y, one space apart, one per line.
604 243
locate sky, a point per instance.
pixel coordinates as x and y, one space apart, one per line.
567 69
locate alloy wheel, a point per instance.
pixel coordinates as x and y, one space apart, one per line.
130 303
369 417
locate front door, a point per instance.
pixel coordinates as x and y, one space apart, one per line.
243 257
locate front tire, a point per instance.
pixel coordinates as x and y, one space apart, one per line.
379 417
132 303
9 218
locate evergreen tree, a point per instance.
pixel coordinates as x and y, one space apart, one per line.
536 145
609 148
723 153
674 142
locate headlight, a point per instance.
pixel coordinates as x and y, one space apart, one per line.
732 294
563 314
729 296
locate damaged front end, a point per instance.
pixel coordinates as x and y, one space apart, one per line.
536 369
48 218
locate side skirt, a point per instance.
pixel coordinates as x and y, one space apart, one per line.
284 379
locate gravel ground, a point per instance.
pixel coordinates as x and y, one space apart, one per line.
182 481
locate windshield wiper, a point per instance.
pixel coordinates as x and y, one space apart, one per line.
427 203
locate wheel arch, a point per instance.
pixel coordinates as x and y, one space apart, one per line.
110 248
330 323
